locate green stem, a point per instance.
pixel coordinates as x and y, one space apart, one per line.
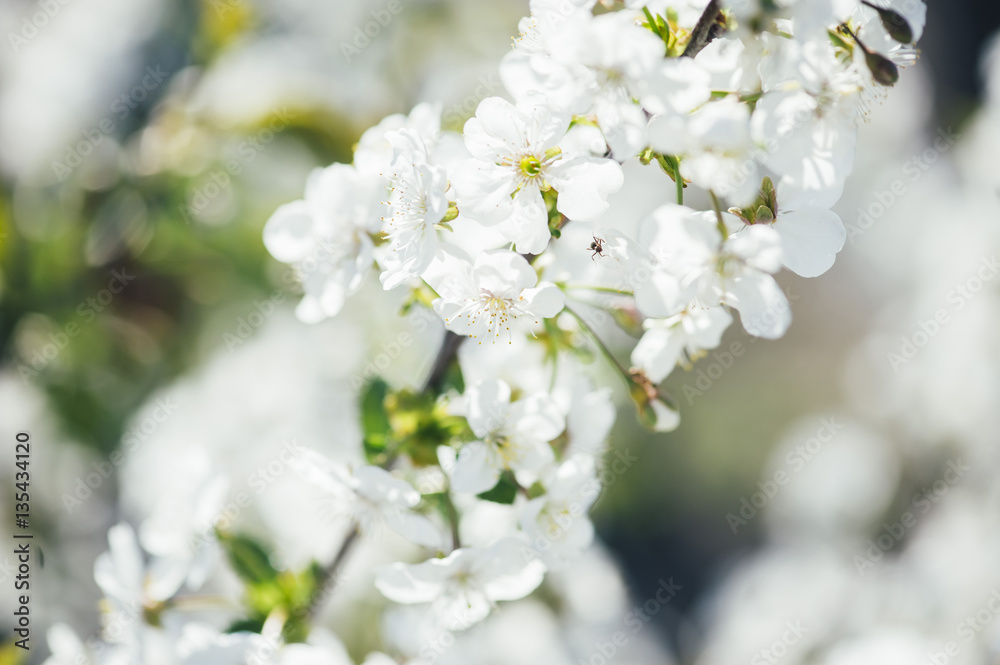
678 180
717 207
456 541
680 184
598 289
602 346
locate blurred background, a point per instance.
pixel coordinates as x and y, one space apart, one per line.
143 327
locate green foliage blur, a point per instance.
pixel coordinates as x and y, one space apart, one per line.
60 242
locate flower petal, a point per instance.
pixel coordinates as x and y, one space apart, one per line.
810 239
657 352
475 470
545 300
290 233
584 185
487 406
764 310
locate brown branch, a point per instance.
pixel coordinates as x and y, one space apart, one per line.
445 357
326 579
705 30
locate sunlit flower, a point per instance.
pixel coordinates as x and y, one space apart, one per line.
517 157
513 435
464 587
490 298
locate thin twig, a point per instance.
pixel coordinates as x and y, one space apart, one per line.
720 222
456 540
327 576
446 355
703 32
602 347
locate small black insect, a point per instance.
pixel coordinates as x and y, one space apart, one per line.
597 247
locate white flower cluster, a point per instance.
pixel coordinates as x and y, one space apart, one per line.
899 507
749 109
752 107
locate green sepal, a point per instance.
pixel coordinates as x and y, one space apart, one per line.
249 559
375 425
505 491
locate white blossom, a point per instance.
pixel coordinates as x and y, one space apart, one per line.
488 299
418 202
556 523
811 234
370 496
666 341
690 259
516 156
374 153
513 435
327 237
465 586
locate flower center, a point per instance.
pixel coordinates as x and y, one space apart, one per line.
506 450
531 166
491 311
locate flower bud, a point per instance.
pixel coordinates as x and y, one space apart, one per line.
769 193
894 23
884 71
658 411
628 319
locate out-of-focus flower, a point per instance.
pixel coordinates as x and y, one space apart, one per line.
556 523
464 586
370 496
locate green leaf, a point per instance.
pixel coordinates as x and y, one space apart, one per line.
254 625
503 492
838 41
249 559
420 423
375 425
655 24
536 490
